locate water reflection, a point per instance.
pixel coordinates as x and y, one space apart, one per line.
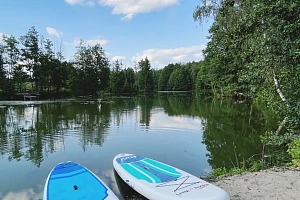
127 193
34 136
36 130
231 131
28 194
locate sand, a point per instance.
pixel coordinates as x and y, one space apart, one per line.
276 183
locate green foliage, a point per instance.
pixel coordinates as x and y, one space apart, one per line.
117 78
129 86
272 139
254 49
180 79
256 166
223 171
91 73
294 151
164 77
146 82
30 53
2 71
219 171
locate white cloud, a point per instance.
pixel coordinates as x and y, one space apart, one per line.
53 32
129 8
97 41
108 55
73 2
127 17
176 122
108 177
93 41
22 195
115 58
90 3
81 2
162 57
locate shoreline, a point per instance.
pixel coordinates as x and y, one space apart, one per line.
274 183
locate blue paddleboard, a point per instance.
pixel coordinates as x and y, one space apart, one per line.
70 180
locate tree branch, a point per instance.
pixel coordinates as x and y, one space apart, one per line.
276 83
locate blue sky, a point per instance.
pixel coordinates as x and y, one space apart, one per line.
128 30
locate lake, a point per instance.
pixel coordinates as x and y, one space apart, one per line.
193 133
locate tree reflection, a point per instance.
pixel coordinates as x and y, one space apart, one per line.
34 131
146 104
230 131
122 107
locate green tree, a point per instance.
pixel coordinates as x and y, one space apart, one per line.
164 77
129 86
254 48
14 70
146 83
180 79
2 70
117 78
91 74
30 55
12 53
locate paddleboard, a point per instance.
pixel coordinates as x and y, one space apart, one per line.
69 180
156 180
126 191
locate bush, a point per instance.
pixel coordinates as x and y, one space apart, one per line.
294 151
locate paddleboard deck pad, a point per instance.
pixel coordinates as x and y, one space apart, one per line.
70 180
156 180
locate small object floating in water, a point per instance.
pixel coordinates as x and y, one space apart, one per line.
158 181
69 180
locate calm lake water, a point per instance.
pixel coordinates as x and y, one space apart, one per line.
190 133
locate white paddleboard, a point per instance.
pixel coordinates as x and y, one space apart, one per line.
70 180
159 181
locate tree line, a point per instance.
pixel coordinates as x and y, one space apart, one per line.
30 63
254 49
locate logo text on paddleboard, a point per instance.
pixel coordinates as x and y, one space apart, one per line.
193 188
126 158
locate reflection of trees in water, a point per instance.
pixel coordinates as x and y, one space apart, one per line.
137 108
176 104
123 107
231 131
146 105
34 131
125 190
230 136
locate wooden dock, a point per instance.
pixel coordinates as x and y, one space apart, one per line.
29 96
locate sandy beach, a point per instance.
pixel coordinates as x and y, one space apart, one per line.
276 183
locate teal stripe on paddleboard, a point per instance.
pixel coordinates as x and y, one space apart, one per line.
163 171
161 165
136 173
157 180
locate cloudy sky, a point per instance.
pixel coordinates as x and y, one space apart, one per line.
128 30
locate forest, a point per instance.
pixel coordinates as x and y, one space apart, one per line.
253 51
29 63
